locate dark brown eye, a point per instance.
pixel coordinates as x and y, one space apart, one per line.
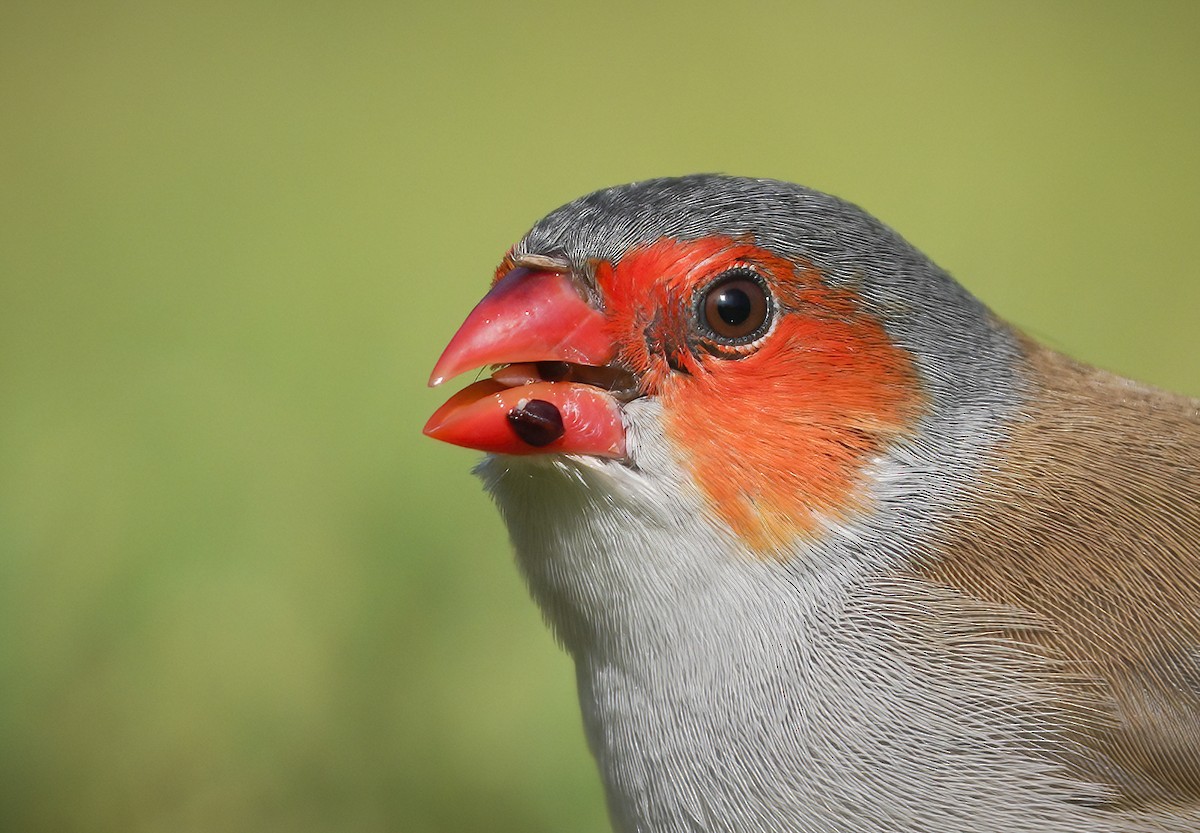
735 310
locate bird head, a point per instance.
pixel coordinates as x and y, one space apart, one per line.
810 518
769 342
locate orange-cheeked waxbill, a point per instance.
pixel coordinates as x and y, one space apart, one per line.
832 546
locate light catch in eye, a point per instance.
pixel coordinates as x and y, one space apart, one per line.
735 309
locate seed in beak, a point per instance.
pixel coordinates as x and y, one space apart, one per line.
536 422
554 371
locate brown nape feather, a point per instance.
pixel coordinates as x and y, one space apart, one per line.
1089 518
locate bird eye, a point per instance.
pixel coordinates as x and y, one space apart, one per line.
735 309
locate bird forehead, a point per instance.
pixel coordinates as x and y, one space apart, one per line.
670 271
607 223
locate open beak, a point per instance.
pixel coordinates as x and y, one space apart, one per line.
553 392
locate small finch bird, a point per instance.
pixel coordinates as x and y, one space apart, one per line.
833 547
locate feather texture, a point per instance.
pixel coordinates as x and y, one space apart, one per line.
982 609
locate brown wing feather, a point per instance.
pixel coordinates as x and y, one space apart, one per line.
1090 519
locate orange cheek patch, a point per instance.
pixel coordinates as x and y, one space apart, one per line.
780 437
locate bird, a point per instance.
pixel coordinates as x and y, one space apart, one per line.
832 546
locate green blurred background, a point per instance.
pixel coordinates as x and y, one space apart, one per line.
238 590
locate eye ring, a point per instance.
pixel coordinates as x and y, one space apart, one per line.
735 309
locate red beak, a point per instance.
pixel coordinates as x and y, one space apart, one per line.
529 317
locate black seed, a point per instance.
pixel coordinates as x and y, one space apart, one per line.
553 371
539 423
